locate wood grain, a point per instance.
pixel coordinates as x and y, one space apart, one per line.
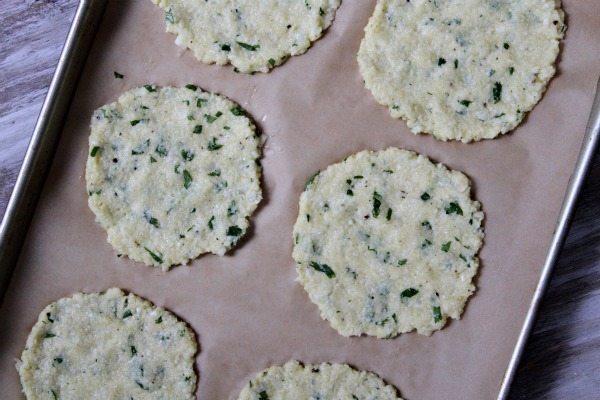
562 360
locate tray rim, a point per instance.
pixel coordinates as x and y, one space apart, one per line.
50 121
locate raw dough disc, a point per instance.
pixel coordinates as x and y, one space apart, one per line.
461 69
324 381
172 173
386 242
108 346
251 35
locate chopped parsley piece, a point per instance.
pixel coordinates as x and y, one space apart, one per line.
425 196
94 151
213 145
250 47
212 118
216 172
462 258
324 268
389 214
152 159
187 155
154 256
437 314
210 223
161 150
226 47
58 360
169 16
150 88
151 220
506 46
446 246
263 395
402 262
237 111
453 208
497 92
455 64
200 102
349 192
127 314
158 320
191 87
49 335
187 179
465 103
376 204
441 61
271 62
511 70
426 243
234 231
134 122
118 75
408 293
133 350
54 395
198 129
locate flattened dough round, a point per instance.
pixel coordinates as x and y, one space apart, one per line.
323 381
108 346
251 35
172 173
461 69
386 242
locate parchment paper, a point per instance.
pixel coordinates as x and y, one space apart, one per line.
246 307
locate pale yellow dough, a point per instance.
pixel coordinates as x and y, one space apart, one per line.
108 345
252 35
172 173
386 242
325 381
461 69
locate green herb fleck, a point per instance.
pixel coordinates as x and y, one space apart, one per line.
49 335
118 75
187 179
234 231
200 102
169 16
310 180
263 395
150 88
134 122
446 246
250 47
187 155
154 256
506 46
58 360
191 87
462 258
198 129
151 220
324 268
511 70
453 208
158 320
455 64
465 103
226 47
216 172
271 62
349 192
152 159
376 204
210 223
127 314
94 151
497 92
133 351
212 118
437 314
237 111
402 262
408 293
441 61
213 145
425 196
389 214
54 395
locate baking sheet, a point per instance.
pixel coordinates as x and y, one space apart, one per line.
246 307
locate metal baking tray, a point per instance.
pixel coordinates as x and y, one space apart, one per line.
40 153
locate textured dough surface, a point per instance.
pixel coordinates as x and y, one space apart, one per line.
172 173
108 346
461 69
323 381
386 242
249 34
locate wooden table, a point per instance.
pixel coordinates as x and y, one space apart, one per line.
562 359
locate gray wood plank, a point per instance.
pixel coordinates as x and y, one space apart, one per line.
562 360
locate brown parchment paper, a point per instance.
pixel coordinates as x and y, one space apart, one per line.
246 307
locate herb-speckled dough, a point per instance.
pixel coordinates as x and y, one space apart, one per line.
172 173
323 381
251 35
462 69
108 346
386 242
